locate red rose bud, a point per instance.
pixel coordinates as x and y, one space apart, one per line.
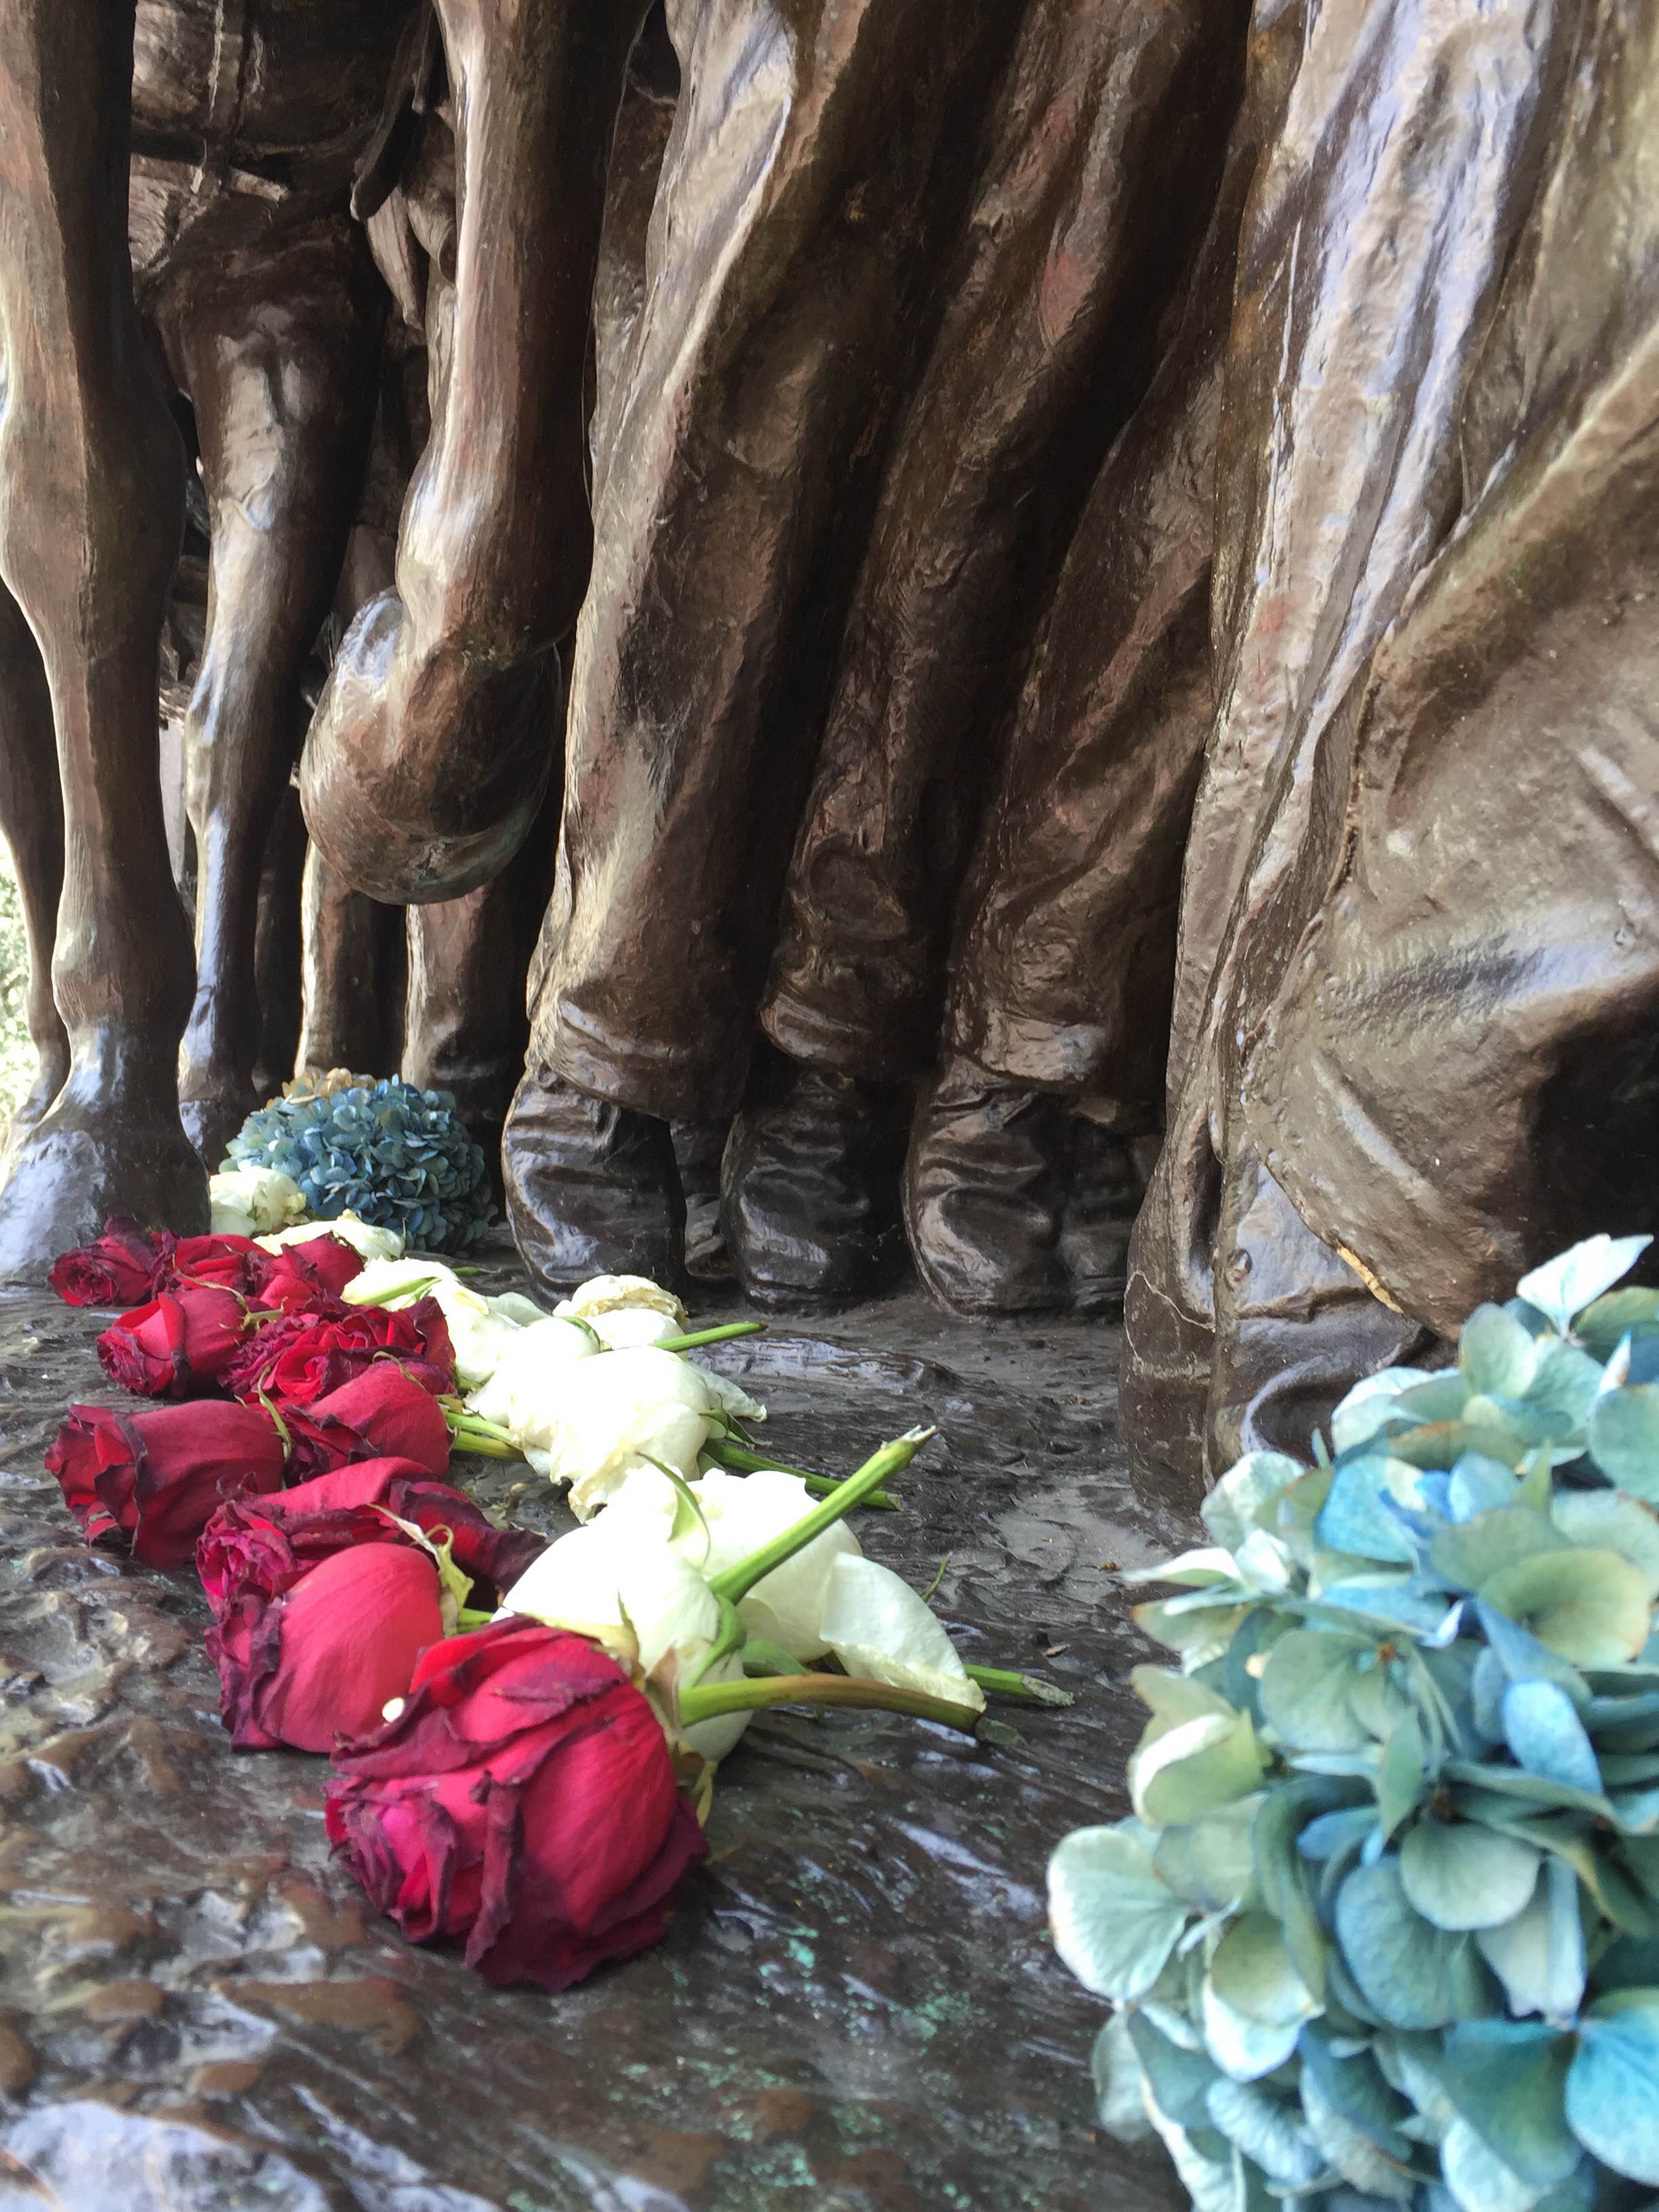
382 1414
522 1801
307 1356
123 1267
321 1658
158 1477
224 1263
177 1346
306 1278
261 1546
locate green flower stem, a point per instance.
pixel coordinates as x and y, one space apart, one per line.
760 1657
736 1582
471 1432
1006 1683
723 1335
712 1699
402 1294
740 1462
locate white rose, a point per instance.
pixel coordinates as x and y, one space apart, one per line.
613 1415
366 1238
523 1395
607 1580
877 1627
744 1511
605 1294
251 1201
623 1329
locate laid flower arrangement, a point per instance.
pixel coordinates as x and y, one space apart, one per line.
1384 1929
522 1735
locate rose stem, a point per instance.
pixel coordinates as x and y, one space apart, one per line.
1008 1684
720 1335
740 1462
711 1699
734 1583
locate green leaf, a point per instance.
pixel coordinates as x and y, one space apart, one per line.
1461 1875
1194 1767
1624 1438
1413 1974
1114 1922
1565 1379
1468 1554
1508 2079
1612 2083
1239 1500
1590 1606
1495 1354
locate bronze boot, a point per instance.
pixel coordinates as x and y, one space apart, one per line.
810 1202
984 1186
591 1189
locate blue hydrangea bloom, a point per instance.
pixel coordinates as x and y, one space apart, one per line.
386 1151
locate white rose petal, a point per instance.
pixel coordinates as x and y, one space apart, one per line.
729 1397
621 1329
877 1625
366 1238
614 1414
479 1331
513 1305
744 1511
603 1294
524 1393
602 1578
252 1201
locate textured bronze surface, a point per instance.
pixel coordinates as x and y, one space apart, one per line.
857 2009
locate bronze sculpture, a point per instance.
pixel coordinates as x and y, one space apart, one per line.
982 472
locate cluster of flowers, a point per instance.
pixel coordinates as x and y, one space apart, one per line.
1384 1927
521 1734
392 1155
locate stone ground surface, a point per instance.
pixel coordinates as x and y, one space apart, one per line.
858 2006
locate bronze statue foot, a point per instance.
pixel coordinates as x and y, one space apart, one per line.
97 1150
984 1188
1103 1197
591 1189
810 1189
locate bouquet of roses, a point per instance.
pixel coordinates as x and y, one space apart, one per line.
522 1735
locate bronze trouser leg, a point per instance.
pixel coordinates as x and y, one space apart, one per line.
31 821
426 762
276 348
790 245
90 510
1458 1076
277 946
1380 222
1105 150
351 977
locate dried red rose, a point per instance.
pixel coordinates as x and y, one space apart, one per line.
123 1267
321 1658
261 1546
304 1357
523 1801
301 1277
159 1476
382 1414
224 1262
177 1346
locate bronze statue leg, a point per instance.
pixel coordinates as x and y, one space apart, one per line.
351 977
91 506
32 821
428 753
276 348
